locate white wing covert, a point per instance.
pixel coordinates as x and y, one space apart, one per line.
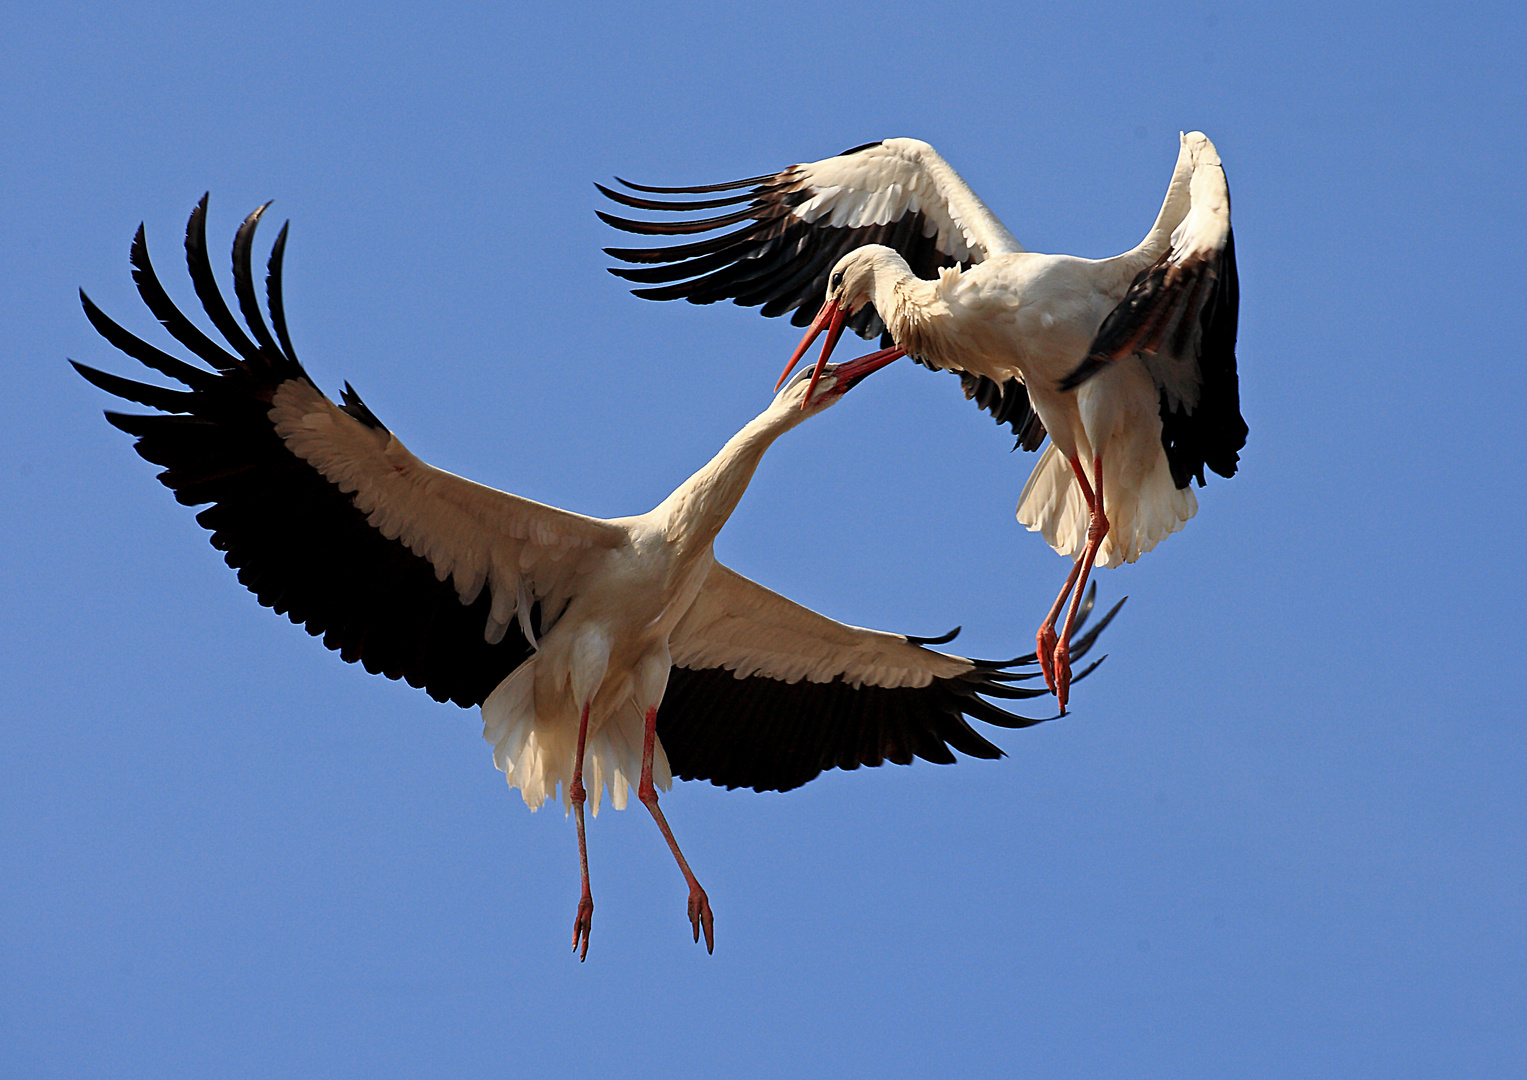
800 221
765 693
471 534
737 624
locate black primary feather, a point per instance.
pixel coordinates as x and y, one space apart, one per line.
1200 301
772 735
297 542
779 263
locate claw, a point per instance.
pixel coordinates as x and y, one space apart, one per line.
700 917
1044 649
583 923
1062 685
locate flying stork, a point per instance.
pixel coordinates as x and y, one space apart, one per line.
1128 362
610 650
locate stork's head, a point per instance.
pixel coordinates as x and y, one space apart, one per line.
814 389
850 286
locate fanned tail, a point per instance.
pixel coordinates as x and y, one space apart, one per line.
1052 504
1142 511
536 755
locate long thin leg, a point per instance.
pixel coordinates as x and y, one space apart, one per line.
699 904
1097 529
583 922
1045 640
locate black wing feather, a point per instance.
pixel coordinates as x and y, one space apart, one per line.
273 293
658 204
1177 308
771 735
795 283
703 189
143 352
170 317
1008 404
297 542
212 302
1214 433
243 282
779 263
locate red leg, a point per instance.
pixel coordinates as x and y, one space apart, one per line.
699 904
1097 529
583 922
1045 640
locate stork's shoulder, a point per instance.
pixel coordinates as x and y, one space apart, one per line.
644 533
1026 278
915 149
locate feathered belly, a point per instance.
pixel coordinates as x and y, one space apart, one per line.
536 749
618 655
1117 412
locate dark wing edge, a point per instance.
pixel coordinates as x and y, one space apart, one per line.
1183 312
297 542
1214 433
770 735
775 260
1008 403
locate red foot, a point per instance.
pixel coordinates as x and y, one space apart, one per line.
700 917
1062 685
583 922
1045 649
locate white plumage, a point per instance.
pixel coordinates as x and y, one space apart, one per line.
1128 363
570 632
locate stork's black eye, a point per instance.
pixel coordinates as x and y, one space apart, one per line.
837 280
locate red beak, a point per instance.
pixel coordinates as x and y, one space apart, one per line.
850 373
831 319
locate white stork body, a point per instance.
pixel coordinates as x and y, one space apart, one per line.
1032 317
611 649
621 647
1128 363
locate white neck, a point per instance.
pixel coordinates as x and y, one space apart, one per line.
701 505
913 310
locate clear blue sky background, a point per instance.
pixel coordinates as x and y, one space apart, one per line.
1281 835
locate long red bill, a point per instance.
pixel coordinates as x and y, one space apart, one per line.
834 332
850 373
817 326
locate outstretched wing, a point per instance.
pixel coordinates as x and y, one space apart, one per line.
801 221
798 223
326 516
1179 316
766 694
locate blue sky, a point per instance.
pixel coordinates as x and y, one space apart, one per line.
1282 833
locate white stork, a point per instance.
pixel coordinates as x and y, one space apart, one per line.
1127 362
621 647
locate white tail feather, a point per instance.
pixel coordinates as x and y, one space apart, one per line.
536 753
1052 504
1142 510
